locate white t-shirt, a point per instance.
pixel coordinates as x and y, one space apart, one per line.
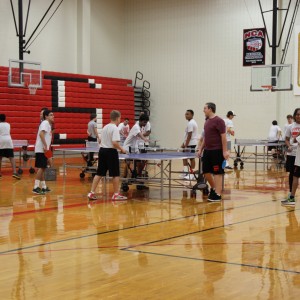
284 129
228 124
292 132
44 126
109 134
133 139
297 160
146 128
5 138
124 131
274 133
191 127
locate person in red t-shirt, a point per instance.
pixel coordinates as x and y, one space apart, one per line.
214 148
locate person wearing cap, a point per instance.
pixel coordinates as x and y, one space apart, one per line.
229 132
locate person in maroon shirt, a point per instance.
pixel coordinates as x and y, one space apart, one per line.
214 148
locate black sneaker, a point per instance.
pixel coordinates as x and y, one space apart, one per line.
46 190
16 176
214 197
38 191
211 193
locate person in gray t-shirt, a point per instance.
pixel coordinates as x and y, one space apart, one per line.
93 136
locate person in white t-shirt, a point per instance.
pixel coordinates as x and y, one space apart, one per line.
290 120
146 129
109 157
42 145
275 133
6 145
229 132
124 130
291 134
190 142
136 139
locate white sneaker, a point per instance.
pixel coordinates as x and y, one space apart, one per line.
182 176
118 197
190 177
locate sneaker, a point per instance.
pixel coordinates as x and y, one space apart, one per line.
228 167
15 175
289 202
190 177
215 197
118 197
182 176
46 190
92 196
211 193
38 191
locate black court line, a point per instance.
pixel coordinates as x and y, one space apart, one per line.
139 226
218 261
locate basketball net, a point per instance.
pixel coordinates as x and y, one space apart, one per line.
267 88
32 88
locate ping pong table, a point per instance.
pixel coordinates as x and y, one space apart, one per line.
240 151
161 157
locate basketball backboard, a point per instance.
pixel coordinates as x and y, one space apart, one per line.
277 76
24 73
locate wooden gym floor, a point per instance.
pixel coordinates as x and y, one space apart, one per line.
62 246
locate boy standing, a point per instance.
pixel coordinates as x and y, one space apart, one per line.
190 141
42 145
6 145
108 157
124 130
293 162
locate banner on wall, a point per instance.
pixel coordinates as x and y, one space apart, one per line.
254 41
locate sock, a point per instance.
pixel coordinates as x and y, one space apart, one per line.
43 184
185 169
36 183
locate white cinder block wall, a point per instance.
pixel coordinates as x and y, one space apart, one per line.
190 51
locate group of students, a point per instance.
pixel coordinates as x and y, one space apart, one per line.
111 142
212 148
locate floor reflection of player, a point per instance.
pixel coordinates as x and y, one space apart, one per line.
292 254
105 219
45 225
213 250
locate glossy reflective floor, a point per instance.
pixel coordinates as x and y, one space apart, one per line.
182 247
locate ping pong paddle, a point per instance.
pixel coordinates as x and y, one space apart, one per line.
48 153
224 164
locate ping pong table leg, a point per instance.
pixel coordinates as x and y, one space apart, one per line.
161 178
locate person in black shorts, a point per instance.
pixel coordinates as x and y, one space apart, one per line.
6 145
42 144
215 151
108 157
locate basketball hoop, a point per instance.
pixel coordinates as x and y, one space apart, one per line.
266 88
32 89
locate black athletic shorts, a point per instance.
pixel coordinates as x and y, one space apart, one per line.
290 163
108 160
212 161
91 139
191 149
297 171
41 161
6 153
